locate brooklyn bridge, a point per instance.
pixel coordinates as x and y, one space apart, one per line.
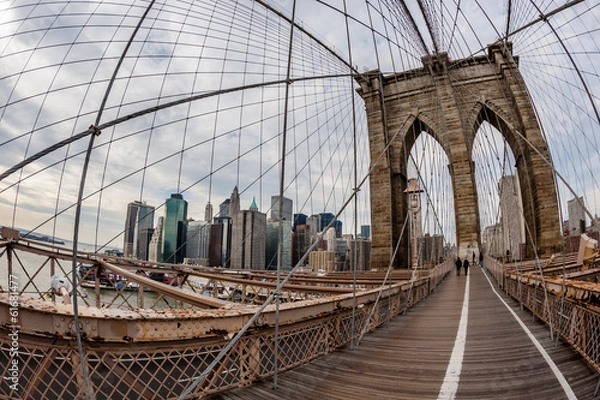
252 199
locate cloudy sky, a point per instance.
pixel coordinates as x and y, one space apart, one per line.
198 103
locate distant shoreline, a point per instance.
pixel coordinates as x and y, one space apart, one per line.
40 237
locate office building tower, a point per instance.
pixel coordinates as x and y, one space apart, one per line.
155 247
365 232
286 208
196 248
248 239
224 208
324 220
431 248
299 219
208 212
138 223
314 225
342 250
511 215
322 261
576 216
362 256
130 227
220 242
234 203
493 239
301 242
215 245
144 238
272 244
174 230
337 226
330 239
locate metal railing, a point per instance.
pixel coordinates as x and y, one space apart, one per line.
106 281
572 306
133 353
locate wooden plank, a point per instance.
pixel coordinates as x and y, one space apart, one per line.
407 358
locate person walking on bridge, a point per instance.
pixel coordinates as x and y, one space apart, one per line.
466 265
458 265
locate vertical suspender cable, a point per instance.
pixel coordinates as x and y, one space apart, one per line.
88 387
95 132
281 189
355 247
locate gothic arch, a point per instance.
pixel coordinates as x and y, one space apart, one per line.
450 100
531 170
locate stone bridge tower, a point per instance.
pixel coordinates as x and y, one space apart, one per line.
450 100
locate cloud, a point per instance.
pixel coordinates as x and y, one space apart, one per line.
56 60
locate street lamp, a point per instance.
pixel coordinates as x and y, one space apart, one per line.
414 206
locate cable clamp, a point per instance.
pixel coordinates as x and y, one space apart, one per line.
95 130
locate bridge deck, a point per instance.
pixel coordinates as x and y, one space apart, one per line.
408 358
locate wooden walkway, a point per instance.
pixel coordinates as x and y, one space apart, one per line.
408 358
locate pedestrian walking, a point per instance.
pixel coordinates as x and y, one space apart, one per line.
466 266
458 265
473 261
480 260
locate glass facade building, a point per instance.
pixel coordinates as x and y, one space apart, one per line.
286 209
139 225
174 229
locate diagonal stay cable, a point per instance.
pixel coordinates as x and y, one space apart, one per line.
385 279
196 381
93 129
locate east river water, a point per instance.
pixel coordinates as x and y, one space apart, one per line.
36 283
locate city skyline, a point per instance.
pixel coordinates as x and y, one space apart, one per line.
201 150
236 237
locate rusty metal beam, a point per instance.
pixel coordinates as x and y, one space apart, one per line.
43 318
172 291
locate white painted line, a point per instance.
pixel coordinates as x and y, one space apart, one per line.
450 385
561 379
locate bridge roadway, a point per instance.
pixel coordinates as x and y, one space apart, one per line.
409 357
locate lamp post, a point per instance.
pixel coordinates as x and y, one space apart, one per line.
414 207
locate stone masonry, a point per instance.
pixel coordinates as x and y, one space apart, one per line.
450 100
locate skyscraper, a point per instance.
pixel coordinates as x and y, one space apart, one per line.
513 228
299 219
337 226
329 237
363 248
431 247
234 203
248 239
139 225
272 244
155 247
576 216
313 223
196 247
324 220
220 242
224 208
365 232
302 240
286 209
174 229
208 212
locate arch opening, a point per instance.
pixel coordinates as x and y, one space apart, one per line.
499 195
436 227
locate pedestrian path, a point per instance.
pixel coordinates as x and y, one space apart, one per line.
465 341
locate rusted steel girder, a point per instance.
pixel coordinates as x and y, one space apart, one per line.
43 318
172 291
